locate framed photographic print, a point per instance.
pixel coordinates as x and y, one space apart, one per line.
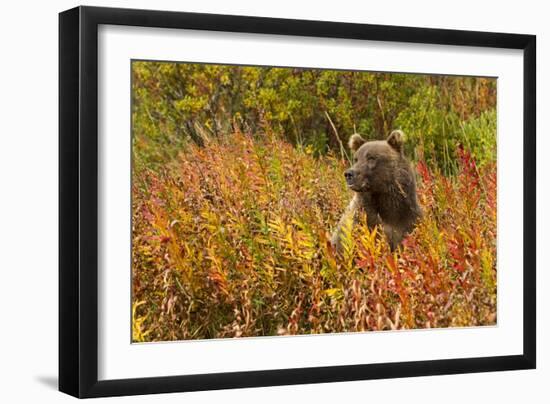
251 201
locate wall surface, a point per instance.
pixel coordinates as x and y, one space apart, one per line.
28 206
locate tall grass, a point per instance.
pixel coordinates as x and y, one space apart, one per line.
232 240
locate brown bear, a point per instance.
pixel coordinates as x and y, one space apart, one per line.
384 184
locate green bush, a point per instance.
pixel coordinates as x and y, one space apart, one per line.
178 103
435 134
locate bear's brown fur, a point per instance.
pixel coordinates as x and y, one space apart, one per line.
384 185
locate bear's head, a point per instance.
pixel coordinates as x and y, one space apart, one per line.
375 162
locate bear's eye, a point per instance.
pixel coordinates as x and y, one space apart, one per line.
371 158
355 159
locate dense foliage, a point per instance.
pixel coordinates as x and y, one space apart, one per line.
237 185
232 240
177 103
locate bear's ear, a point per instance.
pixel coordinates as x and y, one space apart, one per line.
396 139
355 142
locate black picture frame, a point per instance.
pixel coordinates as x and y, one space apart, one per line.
78 201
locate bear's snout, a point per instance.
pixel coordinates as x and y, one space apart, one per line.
349 175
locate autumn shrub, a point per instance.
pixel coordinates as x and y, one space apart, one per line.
231 239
